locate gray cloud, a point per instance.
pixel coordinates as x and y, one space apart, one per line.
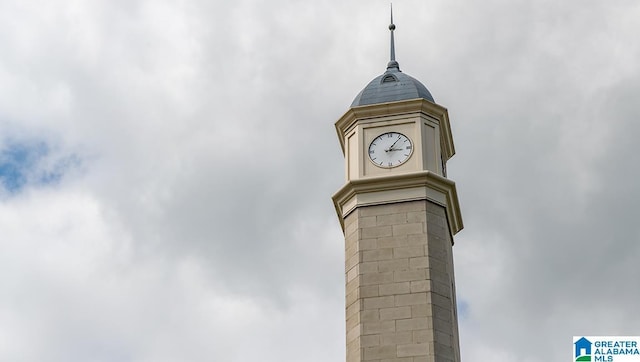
199 224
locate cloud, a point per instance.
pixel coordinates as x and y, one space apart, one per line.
171 167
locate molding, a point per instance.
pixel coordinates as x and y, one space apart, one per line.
349 120
423 185
445 127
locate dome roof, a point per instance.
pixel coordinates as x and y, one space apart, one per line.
391 86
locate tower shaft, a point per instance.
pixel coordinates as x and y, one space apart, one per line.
400 291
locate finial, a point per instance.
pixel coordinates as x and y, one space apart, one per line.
392 62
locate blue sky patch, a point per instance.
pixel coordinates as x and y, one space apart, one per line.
463 309
23 163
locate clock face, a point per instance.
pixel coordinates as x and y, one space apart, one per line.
390 149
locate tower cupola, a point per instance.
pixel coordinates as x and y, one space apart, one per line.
393 85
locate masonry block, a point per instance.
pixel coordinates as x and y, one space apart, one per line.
422 336
393 265
378 327
411 324
418 286
379 302
377 231
419 262
378 352
369 267
394 288
405 337
408 252
378 254
411 299
416 216
367 221
391 219
369 291
409 275
395 313
370 340
398 359
396 241
368 244
376 278
408 229
415 349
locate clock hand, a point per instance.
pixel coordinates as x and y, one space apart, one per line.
394 143
391 147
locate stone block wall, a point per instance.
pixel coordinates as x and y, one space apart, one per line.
400 289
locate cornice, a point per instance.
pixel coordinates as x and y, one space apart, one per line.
414 186
441 113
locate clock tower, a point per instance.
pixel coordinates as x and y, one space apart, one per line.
398 212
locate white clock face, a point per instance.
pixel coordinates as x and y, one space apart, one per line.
390 149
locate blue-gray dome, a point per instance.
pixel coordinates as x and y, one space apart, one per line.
392 86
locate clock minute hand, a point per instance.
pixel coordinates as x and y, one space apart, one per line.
394 143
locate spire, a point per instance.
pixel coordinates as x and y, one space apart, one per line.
392 63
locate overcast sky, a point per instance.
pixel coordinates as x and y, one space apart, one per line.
166 172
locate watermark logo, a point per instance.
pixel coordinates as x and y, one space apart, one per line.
583 349
606 349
